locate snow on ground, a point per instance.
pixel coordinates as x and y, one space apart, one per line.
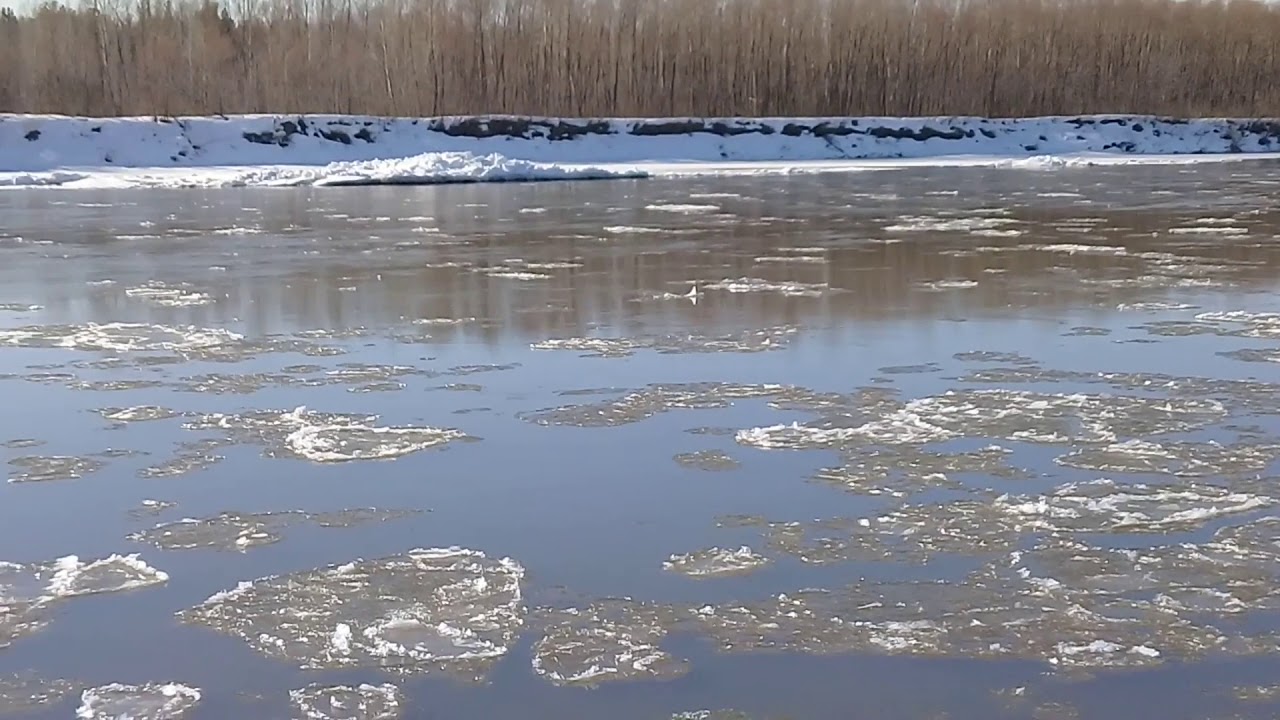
45 150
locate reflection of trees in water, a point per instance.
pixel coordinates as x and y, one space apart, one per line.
299 271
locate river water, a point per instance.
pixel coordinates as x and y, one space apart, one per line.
925 443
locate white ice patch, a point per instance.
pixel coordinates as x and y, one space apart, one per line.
158 293
120 337
449 609
1219 230
327 437
1076 249
1050 418
137 413
169 701
430 168
1108 506
72 577
758 285
715 562
342 702
917 223
609 640
682 208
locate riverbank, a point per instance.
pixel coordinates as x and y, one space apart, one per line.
46 150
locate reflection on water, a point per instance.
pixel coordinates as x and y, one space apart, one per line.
964 441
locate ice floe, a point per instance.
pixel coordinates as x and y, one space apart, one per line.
29 591
119 337
345 702
46 468
324 437
1054 418
747 341
137 413
716 562
1184 459
758 285
446 609
243 531
28 693
636 405
612 639
169 701
709 460
166 295
1107 506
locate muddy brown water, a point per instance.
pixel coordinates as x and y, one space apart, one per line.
923 443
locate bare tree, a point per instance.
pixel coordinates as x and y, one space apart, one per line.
644 57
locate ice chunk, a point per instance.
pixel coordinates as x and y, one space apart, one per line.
608 640
169 701
716 562
164 295
44 468
447 609
344 702
325 437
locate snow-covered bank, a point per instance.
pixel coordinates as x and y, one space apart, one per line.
271 150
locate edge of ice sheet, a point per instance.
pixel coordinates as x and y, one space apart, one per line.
48 150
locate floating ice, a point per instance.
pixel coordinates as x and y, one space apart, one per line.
747 341
138 413
191 457
757 285
152 507
1153 306
716 562
27 692
898 471
1257 693
158 293
452 610
638 405
71 576
615 639
170 701
122 338
1218 230
949 285
1185 459
908 223
687 208
909 534
45 468
509 274
430 168
1108 506
340 443
243 531
709 460
27 592
325 437
807 259
1013 415
343 702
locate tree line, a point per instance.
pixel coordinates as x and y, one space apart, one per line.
644 57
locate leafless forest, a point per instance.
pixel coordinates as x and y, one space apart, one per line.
645 57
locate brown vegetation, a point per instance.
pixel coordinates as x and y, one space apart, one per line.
645 57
